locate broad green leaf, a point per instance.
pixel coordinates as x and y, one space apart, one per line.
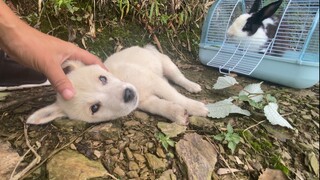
232 146
229 128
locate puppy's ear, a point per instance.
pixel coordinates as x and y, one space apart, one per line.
46 114
71 65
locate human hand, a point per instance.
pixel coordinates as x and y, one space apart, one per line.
42 52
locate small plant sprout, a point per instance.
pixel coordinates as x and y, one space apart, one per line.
230 137
164 140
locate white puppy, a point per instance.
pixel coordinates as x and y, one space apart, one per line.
138 78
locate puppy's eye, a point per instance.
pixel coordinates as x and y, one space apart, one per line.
103 79
95 108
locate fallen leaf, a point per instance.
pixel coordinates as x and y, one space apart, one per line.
223 108
254 91
171 129
3 95
224 82
271 112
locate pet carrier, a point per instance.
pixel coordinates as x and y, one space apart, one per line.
290 58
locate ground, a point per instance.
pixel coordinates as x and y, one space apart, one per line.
294 152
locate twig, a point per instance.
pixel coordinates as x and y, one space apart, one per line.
11 103
32 164
253 126
222 158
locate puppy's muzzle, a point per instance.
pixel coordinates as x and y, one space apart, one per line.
128 95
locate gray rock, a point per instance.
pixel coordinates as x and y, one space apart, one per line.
68 164
200 122
198 155
133 174
154 162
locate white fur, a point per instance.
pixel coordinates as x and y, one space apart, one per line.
146 69
256 40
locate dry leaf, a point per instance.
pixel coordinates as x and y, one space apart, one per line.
271 112
224 82
223 171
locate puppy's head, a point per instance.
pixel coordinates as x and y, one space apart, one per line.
99 97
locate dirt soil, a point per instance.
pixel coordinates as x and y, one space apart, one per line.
262 145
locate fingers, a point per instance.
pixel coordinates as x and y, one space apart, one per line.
60 82
86 57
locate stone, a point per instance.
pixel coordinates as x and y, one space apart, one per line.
171 129
160 152
128 153
118 171
69 164
141 115
103 132
139 158
8 160
133 166
168 175
133 174
198 155
66 124
201 122
154 162
131 123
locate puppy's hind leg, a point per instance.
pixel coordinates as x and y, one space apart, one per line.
162 107
171 72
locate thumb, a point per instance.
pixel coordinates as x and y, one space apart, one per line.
61 83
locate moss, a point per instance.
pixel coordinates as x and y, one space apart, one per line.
275 161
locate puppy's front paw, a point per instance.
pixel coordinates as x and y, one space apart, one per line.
193 87
179 115
197 109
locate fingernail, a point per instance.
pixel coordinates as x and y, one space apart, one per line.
67 94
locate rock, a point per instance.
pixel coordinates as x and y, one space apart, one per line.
171 129
131 123
118 171
8 159
168 175
68 164
198 155
139 158
154 162
103 132
160 152
134 147
133 166
200 122
114 151
141 115
128 153
133 174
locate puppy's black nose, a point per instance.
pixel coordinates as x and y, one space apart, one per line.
128 95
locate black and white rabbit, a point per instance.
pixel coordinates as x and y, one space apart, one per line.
256 27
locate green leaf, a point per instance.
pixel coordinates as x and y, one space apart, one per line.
219 137
271 98
229 128
232 146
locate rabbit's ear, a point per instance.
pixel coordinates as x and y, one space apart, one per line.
255 7
268 10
